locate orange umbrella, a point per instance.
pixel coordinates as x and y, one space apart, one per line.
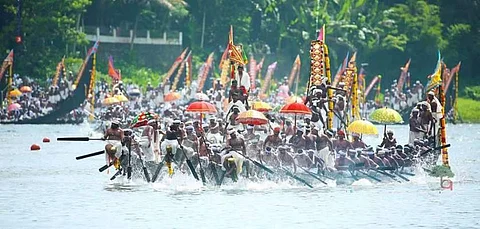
201 107
26 89
252 117
295 108
261 106
14 93
172 96
294 99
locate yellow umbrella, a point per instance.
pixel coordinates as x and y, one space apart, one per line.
362 127
386 116
121 98
172 96
15 93
110 101
252 117
261 106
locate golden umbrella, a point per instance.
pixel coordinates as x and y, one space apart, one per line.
15 93
26 89
252 117
386 116
110 101
362 127
172 96
121 98
261 106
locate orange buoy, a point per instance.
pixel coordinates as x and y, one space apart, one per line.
46 139
34 147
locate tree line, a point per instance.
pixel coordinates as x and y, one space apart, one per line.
384 33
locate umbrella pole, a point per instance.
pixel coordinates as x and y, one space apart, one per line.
384 130
295 124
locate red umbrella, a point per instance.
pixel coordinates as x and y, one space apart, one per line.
201 107
14 106
295 108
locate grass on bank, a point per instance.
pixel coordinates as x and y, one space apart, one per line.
469 110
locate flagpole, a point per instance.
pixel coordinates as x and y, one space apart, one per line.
10 80
92 87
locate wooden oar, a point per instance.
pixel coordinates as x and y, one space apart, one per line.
105 167
159 168
79 139
312 174
257 163
401 176
296 177
369 176
129 166
387 174
145 170
189 163
90 155
215 174
436 148
116 174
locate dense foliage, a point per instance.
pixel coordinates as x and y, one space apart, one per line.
386 33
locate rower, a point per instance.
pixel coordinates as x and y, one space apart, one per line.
172 138
388 140
298 140
114 136
357 142
384 161
416 128
309 139
341 144
147 139
268 157
274 140
289 128
235 143
250 135
285 158
342 162
191 139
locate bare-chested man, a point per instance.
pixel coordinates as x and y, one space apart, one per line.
114 136
273 141
285 158
341 144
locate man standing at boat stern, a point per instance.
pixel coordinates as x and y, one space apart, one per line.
416 128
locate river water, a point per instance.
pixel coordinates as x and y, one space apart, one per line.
50 189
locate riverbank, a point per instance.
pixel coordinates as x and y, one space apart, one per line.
469 110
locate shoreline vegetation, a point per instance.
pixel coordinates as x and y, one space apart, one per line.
469 110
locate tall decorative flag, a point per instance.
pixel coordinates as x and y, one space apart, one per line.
403 77
91 51
436 77
293 72
60 72
203 74
175 64
6 63
268 77
188 71
339 74
252 67
453 72
112 72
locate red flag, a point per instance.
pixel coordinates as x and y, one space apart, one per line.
453 71
403 77
6 63
112 72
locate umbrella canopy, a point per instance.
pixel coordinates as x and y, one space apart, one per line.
121 98
172 96
202 97
143 118
294 99
252 117
13 107
362 127
261 106
110 101
26 89
15 93
135 92
295 108
201 107
386 116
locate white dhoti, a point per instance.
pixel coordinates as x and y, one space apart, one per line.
327 157
146 148
414 135
172 143
238 160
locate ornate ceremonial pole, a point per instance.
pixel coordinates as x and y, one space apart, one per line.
443 132
91 89
329 90
455 108
10 82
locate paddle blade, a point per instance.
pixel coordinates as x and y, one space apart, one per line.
262 166
147 176
77 139
192 169
215 174
105 167
129 172
90 155
157 172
